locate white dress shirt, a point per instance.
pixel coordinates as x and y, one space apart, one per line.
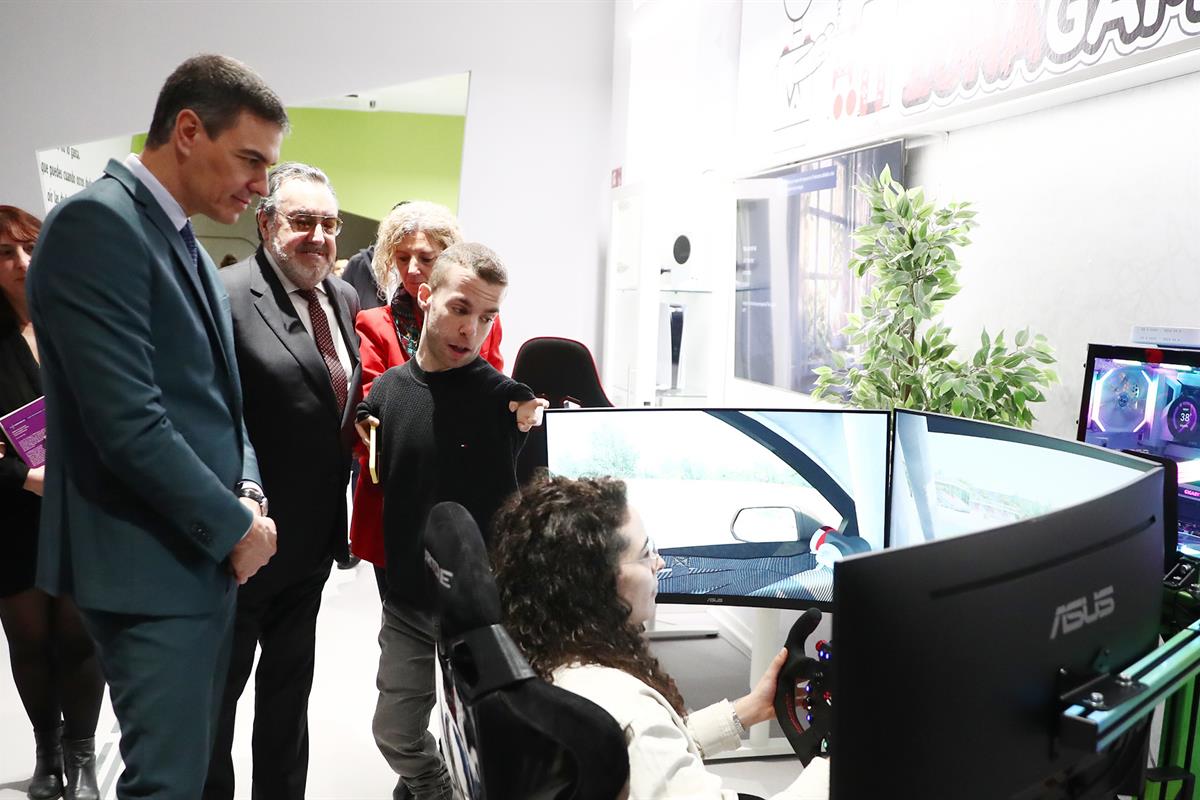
301 306
165 199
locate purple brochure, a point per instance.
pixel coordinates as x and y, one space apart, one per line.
26 429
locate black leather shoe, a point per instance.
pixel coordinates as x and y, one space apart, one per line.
350 562
79 759
47 781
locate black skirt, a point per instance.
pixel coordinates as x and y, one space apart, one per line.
18 540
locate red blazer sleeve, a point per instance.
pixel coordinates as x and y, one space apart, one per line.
491 346
378 348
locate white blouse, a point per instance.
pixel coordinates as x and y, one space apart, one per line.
666 751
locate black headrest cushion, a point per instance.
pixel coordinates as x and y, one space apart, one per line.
455 554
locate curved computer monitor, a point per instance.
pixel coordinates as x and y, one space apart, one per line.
952 476
746 507
952 650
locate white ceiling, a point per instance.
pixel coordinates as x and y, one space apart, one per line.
444 95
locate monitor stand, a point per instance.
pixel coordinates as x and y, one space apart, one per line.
657 633
763 647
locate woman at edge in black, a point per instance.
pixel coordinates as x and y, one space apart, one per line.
53 659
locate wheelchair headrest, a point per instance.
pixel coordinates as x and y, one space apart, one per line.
455 553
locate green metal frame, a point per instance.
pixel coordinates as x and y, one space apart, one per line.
1179 749
1169 675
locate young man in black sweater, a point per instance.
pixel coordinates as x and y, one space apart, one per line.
449 428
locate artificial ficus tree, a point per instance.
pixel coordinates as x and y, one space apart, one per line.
902 356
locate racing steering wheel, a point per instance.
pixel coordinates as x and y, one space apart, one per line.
809 737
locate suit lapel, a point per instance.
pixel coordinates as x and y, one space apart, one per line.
200 280
342 312
222 322
346 323
275 307
183 259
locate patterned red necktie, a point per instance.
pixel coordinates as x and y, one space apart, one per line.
321 332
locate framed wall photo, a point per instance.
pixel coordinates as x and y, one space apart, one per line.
793 291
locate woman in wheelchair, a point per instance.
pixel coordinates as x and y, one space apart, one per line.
577 576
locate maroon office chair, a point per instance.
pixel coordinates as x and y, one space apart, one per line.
562 371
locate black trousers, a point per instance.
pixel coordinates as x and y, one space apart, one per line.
282 620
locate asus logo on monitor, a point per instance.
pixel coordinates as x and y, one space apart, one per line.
1074 615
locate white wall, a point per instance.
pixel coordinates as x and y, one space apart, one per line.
1087 220
682 88
537 135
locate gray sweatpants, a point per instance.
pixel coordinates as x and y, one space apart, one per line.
407 695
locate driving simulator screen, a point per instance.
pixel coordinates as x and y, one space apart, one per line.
956 476
755 505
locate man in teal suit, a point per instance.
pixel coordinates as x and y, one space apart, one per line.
152 511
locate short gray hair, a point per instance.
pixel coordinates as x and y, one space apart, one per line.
290 171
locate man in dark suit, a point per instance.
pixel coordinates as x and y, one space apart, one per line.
298 357
151 514
360 276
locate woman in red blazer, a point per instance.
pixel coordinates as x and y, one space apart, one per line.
410 239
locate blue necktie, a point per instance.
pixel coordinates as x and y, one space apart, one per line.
189 239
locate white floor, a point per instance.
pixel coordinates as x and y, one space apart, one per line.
344 763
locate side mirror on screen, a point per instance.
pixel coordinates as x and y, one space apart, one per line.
766 524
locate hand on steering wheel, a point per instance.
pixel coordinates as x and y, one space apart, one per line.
809 737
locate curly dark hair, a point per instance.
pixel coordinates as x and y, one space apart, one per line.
556 554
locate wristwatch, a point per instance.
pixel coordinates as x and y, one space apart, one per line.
737 723
250 490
